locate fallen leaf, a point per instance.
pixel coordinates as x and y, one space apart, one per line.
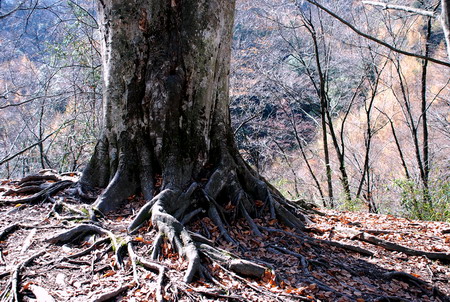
109 274
259 203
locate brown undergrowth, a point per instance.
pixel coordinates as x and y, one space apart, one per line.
342 256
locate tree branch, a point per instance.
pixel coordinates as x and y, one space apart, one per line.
414 10
18 7
8 158
371 38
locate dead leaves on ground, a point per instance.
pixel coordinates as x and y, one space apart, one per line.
334 274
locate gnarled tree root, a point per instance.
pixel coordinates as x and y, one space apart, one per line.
181 199
110 295
169 227
189 246
11 293
41 195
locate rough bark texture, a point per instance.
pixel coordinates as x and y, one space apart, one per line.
165 73
166 66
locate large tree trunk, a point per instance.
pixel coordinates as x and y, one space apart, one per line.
165 76
165 73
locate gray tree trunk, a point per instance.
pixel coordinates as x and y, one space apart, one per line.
165 77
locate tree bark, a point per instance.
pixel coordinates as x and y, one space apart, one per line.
165 76
424 111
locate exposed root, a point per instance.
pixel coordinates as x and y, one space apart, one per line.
191 215
133 260
76 232
82 229
216 295
234 210
9 229
249 284
160 270
214 215
304 265
28 189
176 233
39 178
88 250
314 241
183 202
250 221
110 295
12 291
43 194
142 216
420 284
156 251
115 193
58 207
355 234
237 265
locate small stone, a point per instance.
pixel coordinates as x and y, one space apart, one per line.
77 284
66 248
61 279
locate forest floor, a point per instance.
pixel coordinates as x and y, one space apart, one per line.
343 256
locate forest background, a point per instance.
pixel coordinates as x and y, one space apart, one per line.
323 113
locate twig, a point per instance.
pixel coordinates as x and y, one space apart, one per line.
8 158
369 37
28 240
402 7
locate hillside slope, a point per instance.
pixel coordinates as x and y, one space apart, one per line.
332 261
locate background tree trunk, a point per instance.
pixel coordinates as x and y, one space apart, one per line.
445 21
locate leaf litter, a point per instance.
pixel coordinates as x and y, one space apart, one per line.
327 262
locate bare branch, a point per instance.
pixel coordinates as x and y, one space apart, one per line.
371 38
8 158
18 7
28 100
409 9
245 122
